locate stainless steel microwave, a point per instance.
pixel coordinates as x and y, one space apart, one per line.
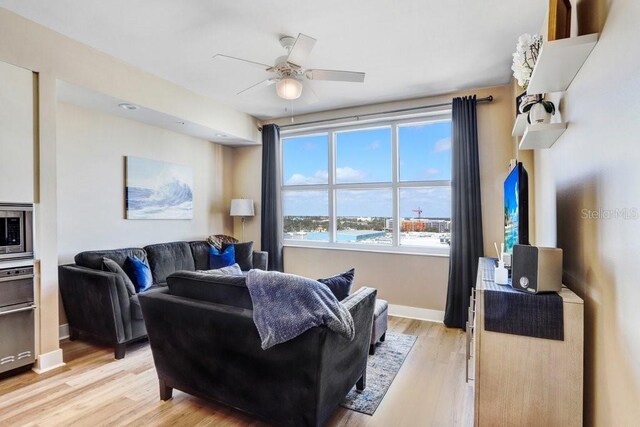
16 231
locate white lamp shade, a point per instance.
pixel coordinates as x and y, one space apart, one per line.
242 207
289 88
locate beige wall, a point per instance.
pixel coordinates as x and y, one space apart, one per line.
91 147
409 280
594 166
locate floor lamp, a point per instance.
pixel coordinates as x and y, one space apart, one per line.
242 208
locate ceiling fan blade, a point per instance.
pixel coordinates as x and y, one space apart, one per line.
227 57
335 75
301 49
257 86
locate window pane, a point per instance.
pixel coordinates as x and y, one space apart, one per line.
305 160
364 216
425 151
363 156
306 215
425 217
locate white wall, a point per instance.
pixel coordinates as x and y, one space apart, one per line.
596 165
91 151
410 280
16 134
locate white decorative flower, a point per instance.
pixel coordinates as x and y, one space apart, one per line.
525 57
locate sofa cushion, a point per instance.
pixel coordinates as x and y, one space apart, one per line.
139 272
340 284
219 289
167 258
200 252
243 254
136 312
113 267
93 259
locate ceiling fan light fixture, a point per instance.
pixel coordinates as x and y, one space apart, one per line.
289 88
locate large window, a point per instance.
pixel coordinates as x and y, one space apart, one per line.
382 186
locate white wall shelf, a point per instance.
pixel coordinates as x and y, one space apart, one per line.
559 62
543 135
520 125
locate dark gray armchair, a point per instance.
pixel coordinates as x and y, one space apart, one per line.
205 344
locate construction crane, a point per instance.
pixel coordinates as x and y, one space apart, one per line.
419 211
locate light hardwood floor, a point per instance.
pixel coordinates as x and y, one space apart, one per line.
93 389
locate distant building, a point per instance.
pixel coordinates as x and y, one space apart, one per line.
425 225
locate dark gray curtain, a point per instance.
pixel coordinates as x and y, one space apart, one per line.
466 212
270 232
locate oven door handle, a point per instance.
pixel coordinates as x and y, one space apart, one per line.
12 278
18 310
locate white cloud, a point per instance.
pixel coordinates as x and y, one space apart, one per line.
347 174
432 172
442 145
374 145
320 177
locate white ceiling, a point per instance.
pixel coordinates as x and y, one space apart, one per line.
408 48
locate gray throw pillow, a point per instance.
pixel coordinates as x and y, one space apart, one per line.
244 254
112 266
231 270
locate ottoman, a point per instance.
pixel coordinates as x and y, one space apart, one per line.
379 329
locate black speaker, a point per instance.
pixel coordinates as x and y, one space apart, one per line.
535 269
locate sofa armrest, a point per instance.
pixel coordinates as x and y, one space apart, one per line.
344 363
96 302
260 260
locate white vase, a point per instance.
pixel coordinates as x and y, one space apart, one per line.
537 114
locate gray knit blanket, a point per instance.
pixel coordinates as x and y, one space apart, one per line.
286 305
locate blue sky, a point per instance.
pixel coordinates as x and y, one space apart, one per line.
365 156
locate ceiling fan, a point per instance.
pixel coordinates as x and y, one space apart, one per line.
289 72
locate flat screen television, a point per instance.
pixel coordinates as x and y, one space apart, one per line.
516 208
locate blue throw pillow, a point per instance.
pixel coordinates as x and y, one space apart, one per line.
219 259
139 273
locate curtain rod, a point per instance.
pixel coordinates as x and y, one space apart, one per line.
486 99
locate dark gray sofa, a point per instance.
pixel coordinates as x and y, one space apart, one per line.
97 302
204 342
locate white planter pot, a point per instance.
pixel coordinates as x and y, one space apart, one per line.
537 114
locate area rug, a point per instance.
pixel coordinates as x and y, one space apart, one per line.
382 368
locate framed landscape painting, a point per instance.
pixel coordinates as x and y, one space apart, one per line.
158 190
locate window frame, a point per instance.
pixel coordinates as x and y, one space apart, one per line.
332 187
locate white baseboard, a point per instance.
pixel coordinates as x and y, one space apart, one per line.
63 331
49 361
416 313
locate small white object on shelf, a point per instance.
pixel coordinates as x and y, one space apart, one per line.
559 62
543 135
520 126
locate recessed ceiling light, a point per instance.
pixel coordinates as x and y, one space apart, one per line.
127 106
